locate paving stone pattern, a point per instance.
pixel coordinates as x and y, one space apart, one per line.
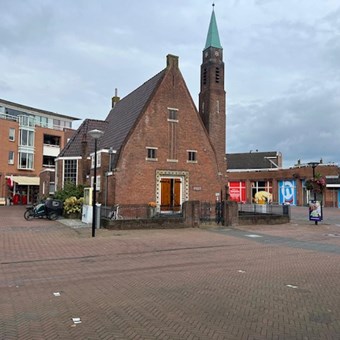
211 283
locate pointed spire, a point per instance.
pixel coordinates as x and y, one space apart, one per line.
213 39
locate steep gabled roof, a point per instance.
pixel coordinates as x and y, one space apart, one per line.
123 116
74 146
118 123
253 160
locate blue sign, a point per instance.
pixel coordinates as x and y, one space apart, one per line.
287 192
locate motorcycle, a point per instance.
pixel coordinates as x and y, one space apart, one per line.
50 209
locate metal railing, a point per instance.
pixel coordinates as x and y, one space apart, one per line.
136 211
126 211
270 209
211 211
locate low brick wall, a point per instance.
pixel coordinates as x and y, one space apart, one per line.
150 223
191 219
253 219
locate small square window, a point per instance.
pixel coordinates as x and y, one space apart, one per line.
192 156
151 154
173 114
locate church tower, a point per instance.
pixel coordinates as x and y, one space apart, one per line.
212 96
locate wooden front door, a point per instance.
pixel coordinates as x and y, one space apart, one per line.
170 194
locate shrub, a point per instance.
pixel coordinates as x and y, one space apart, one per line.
73 205
70 190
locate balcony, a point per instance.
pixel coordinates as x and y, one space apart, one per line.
51 150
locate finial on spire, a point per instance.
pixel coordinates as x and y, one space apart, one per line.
213 40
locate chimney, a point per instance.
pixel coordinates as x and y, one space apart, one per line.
171 60
84 151
115 99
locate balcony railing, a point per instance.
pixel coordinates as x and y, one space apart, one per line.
8 117
271 209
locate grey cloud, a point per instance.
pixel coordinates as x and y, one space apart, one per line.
294 125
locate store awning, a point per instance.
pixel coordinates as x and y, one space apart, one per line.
26 180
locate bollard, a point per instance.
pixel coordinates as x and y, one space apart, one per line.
98 215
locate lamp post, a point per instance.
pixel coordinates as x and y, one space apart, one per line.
314 165
95 134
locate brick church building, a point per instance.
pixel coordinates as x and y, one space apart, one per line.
157 147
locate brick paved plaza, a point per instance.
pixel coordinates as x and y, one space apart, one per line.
265 282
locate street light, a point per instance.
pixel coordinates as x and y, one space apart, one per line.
314 165
95 134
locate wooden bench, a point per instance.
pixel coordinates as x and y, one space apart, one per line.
2 201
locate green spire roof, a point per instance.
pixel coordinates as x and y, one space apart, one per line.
213 39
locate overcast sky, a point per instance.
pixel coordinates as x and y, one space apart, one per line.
281 57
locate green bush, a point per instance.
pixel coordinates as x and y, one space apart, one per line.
70 190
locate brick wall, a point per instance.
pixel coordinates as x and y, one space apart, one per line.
136 177
299 174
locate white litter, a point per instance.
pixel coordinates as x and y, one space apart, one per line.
241 271
76 320
291 286
253 235
56 294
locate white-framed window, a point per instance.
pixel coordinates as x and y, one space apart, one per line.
99 160
97 182
52 188
151 154
70 170
11 134
192 156
26 137
26 160
173 115
28 121
10 157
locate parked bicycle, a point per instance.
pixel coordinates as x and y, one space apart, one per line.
50 209
114 214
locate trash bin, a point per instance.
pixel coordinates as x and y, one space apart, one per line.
285 209
98 215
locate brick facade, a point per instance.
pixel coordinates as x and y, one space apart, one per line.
136 177
21 119
296 175
164 150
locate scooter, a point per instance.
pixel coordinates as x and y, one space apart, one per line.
50 209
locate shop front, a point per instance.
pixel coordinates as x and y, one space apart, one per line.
237 191
23 189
